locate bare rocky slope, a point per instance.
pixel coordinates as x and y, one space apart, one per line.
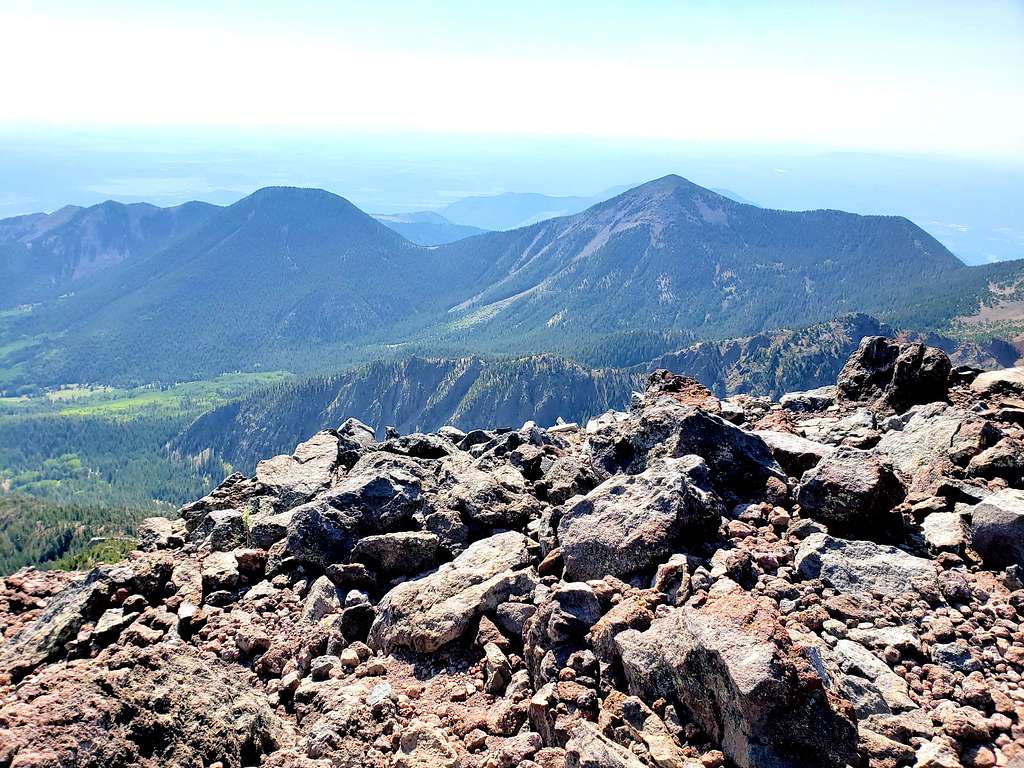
830 580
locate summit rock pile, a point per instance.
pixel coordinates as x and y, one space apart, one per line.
833 580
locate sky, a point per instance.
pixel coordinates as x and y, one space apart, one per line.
935 76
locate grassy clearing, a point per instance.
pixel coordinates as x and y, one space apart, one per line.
192 397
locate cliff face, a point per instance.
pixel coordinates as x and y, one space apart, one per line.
830 580
423 394
411 395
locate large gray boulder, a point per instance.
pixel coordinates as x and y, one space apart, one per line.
483 498
308 470
852 491
165 705
732 665
427 613
929 440
632 522
558 628
863 566
1007 381
236 491
810 400
587 747
997 528
1005 460
397 554
44 638
871 673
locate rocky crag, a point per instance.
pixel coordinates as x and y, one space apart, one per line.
829 580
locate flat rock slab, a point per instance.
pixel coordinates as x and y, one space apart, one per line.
794 453
733 666
863 566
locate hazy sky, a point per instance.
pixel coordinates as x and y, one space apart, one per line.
942 76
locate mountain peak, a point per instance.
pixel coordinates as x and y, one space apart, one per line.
668 199
298 204
289 194
672 184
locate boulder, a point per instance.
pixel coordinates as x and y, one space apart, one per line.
220 572
855 660
65 613
558 628
568 476
795 454
321 600
161 533
927 442
397 554
944 531
997 528
267 530
226 530
427 613
732 665
888 374
381 492
587 747
168 704
234 492
740 463
1007 381
354 440
863 566
424 746
297 477
483 499
857 428
811 400
1005 460
852 491
632 522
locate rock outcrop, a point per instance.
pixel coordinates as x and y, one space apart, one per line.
833 580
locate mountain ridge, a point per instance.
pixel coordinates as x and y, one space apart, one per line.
302 279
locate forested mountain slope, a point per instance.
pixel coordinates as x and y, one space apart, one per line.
415 394
670 254
420 394
45 255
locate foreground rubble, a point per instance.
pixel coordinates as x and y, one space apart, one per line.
835 580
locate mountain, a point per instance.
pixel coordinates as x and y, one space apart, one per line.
45 255
301 279
669 254
427 227
511 210
283 272
414 395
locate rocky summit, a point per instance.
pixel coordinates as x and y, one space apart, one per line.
835 579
